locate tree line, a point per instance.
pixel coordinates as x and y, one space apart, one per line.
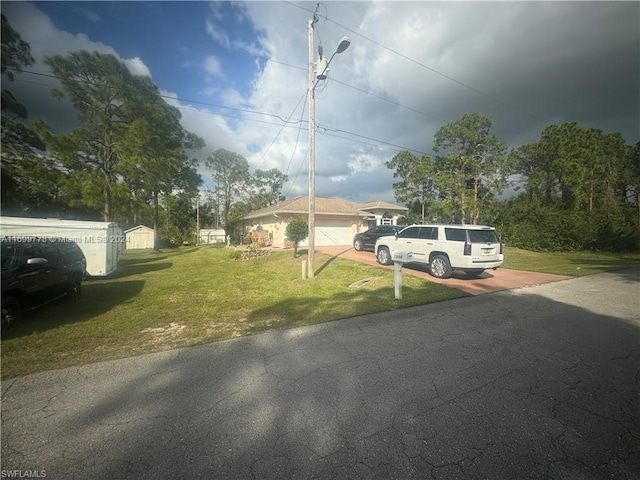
126 161
575 188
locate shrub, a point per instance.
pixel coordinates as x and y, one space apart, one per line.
297 230
254 251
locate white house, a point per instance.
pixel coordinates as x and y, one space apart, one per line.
336 220
139 237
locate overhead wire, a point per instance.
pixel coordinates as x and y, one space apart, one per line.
420 64
170 97
286 123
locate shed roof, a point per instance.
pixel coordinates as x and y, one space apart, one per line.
139 227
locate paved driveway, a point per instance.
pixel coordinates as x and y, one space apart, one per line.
539 383
489 281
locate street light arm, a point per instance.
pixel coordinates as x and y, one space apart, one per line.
342 46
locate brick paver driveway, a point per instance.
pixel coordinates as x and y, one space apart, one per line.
489 281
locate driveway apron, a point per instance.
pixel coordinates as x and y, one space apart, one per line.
489 281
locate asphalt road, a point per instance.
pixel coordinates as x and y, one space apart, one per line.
538 382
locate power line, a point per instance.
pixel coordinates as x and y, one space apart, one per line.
368 138
286 123
437 72
169 97
388 100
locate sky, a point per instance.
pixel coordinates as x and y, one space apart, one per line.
238 72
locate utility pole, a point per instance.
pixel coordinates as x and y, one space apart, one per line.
312 160
198 219
322 67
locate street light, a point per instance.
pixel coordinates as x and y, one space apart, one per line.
323 65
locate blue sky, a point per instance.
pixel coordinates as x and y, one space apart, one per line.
162 34
237 71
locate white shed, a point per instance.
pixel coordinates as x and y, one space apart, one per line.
209 235
139 237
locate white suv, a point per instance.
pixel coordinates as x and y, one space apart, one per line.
471 248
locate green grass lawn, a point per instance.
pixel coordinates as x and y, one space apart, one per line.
160 301
175 298
575 264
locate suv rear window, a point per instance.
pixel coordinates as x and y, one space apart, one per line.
455 234
483 236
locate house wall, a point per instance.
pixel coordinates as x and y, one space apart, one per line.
330 229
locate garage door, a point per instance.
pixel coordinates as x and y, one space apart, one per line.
332 232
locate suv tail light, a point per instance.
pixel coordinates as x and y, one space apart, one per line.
467 247
500 246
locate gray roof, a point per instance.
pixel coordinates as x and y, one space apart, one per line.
326 206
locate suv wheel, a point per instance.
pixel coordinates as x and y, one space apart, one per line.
440 267
74 288
357 245
10 312
383 256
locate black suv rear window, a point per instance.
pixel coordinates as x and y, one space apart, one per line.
483 236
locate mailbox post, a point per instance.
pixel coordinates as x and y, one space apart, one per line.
400 257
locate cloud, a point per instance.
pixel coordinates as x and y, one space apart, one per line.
525 64
33 87
232 18
212 66
137 67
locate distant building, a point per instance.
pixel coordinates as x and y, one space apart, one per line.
139 237
211 236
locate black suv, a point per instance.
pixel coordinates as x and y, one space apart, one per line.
36 271
367 240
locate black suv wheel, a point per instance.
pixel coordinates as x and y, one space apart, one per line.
10 312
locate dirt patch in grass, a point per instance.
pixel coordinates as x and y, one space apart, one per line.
165 334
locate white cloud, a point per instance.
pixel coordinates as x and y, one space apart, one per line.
363 162
535 64
216 24
233 98
212 66
137 66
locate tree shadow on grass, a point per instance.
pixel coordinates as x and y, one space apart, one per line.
135 269
607 265
95 299
300 311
